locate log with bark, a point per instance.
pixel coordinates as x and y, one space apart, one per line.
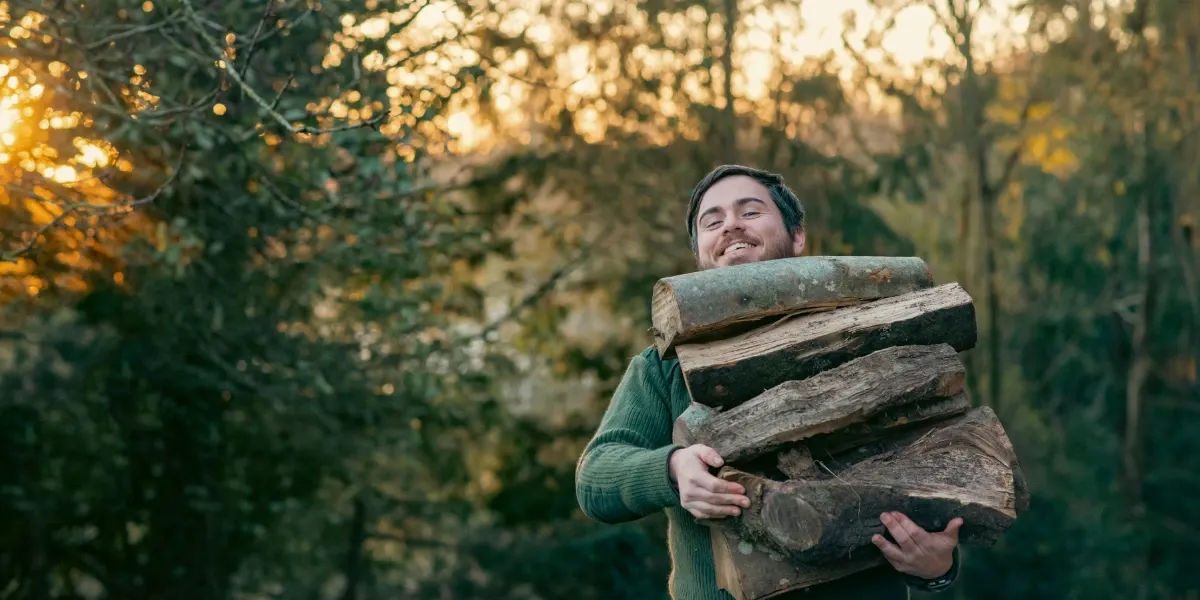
961 467
727 372
853 403
754 572
716 303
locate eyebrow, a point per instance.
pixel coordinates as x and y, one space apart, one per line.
739 202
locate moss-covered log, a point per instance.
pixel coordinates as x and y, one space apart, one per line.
716 303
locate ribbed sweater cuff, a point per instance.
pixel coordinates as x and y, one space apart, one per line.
650 481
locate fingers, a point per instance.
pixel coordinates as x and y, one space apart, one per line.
704 510
899 533
717 485
708 482
917 551
723 499
705 495
709 456
703 487
890 551
715 490
916 535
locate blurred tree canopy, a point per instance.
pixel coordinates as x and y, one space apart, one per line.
322 298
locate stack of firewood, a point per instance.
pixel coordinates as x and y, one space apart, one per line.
833 388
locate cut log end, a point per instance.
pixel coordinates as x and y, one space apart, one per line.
793 522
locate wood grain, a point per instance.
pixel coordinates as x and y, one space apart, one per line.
725 373
854 402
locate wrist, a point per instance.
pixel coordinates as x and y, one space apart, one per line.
671 467
938 571
938 583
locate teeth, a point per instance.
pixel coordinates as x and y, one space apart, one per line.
738 246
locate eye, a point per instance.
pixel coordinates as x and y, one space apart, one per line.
711 224
751 213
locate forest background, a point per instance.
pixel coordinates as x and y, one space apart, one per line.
320 299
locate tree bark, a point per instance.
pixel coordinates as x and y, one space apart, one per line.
964 467
716 303
854 394
725 373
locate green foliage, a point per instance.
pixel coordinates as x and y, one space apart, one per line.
292 339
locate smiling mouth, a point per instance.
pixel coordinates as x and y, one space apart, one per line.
736 247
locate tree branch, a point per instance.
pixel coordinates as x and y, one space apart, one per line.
533 297
225 64
268 12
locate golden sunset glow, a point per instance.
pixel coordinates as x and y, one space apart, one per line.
50 183
775 47
800 38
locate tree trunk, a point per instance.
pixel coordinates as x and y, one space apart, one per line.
1140 360
964 467
729 115
358 532
995 362
981 189
716 303
858 393
728 372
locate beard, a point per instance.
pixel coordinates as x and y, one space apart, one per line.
775 248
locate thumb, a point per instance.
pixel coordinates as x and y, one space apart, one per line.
709 456
952 527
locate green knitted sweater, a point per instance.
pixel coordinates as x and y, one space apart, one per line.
622 476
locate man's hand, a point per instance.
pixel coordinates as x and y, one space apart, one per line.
916 551
701 493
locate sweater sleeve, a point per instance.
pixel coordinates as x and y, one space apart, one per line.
623 473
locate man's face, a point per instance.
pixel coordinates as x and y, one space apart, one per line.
738 223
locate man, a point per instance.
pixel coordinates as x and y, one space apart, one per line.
630 468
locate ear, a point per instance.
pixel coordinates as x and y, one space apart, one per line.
798 242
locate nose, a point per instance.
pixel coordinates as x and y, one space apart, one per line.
732 223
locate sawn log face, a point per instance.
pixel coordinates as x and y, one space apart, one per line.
715 303
728 372
963 467
850 403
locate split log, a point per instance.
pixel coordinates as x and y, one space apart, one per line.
853 402
715 303
962 467
754 572
728 372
